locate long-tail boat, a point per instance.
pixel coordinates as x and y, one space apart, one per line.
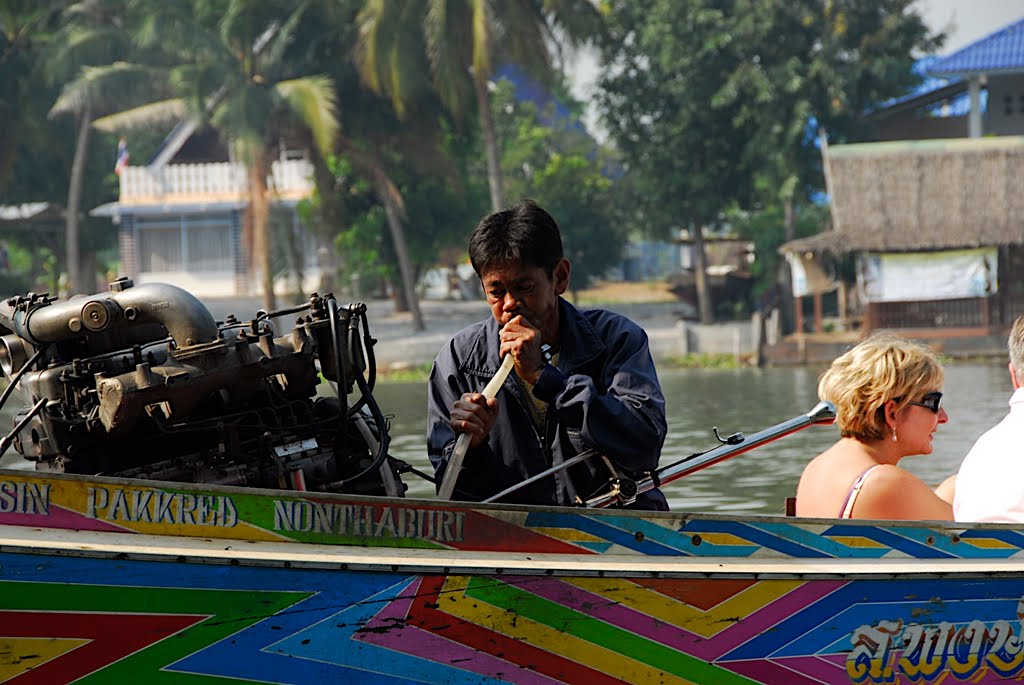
197 513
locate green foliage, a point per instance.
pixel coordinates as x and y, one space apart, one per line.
711 102
705 360
563 169
766 228
441 211
415 373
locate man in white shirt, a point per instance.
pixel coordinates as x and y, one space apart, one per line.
990 485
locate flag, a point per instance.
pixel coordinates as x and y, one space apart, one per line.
122 156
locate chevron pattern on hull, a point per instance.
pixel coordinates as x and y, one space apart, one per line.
147 621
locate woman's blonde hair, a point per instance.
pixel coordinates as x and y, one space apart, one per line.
881 368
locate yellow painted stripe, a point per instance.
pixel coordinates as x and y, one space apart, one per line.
857 541
726 539
689 618
455 602
568 534
240 531
75 496
20 654
987 543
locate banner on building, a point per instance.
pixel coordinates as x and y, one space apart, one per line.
901 277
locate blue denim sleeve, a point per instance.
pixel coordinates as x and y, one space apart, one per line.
626 421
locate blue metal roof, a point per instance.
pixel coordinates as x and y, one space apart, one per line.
999 51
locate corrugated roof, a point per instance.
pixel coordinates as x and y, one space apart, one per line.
1002 51
911 196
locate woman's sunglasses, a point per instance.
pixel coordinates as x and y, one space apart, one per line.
930 401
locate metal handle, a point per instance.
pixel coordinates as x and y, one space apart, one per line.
823 413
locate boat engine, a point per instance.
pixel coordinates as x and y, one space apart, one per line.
141 382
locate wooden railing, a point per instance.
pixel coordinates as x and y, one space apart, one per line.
964 312
215 180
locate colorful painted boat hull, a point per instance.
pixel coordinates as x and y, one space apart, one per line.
110 581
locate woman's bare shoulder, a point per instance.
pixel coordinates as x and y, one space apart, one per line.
894 493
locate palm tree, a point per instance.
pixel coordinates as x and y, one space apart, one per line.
462 41
89 33
230 69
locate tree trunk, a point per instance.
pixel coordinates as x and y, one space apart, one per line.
71 220
398 297
259 220
402 253
788 218
700 275
494 177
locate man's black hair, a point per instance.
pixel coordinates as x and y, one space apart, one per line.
523 233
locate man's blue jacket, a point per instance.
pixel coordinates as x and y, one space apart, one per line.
604 394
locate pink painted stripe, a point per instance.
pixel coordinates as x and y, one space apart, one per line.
426 645
60 517
782 608
766 671
708 649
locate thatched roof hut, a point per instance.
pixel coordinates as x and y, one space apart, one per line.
923 195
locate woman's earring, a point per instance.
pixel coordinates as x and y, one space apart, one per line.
894 435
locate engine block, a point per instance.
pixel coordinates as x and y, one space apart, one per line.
141 382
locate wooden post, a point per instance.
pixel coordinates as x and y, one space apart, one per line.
798 314
757 326
841 304
818 326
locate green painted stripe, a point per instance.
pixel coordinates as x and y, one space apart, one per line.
597 632
229 611
259 511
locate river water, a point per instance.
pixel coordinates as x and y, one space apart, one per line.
747 400
741 400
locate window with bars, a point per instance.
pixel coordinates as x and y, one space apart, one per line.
193 244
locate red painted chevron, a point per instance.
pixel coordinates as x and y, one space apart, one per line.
111 638
424 613
703 594
481 531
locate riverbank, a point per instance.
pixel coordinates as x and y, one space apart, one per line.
399 348
675 343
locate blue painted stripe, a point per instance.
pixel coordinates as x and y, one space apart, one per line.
755 536
889 538
603 527
331 641
247 654
827 546
53 569
1009 537
987 610
861 602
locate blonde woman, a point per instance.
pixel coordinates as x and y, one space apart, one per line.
887 393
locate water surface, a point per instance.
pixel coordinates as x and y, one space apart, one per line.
743 400
747 400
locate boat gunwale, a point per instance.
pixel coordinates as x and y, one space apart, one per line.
953 526
311 556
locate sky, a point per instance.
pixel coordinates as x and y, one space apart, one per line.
968 20
964 22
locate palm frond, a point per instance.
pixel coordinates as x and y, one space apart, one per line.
100 86
482 24
313 101
369 47
145 116
526 39
271 53
449 58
